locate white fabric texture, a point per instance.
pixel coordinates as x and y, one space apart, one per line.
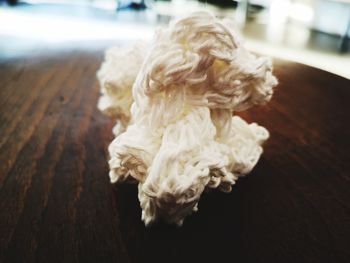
182 137
116 77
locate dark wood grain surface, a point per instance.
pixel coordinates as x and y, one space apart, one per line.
57 205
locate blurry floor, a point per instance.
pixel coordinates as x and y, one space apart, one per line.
32 29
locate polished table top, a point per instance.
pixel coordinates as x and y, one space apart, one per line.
57 204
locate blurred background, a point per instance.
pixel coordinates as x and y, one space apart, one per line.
313 32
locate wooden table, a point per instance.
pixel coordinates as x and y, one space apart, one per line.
57 204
